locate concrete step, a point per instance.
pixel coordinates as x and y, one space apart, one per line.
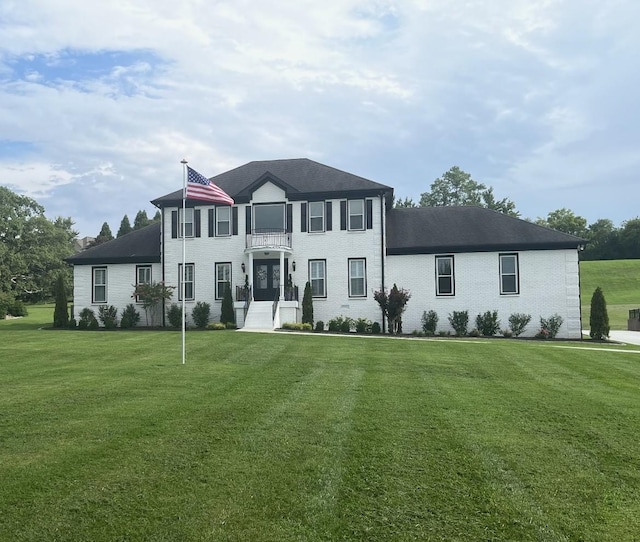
259 316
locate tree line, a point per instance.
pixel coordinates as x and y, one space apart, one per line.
604 240
141 221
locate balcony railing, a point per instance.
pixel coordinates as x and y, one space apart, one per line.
269 239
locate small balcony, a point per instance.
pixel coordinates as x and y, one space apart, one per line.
268 239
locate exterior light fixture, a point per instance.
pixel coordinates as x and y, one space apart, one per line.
244 268
293 265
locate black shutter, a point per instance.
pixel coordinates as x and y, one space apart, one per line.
369 213
289 224
248 219
211 217
174 224
234 221
303 217
343 215
196 219
329 217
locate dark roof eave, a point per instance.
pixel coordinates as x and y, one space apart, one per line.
111 260
448 249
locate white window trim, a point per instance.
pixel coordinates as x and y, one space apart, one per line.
320 204
189 222
323 278
353 277
452 276
94 284
350 214
138 281
221 265
516 273
219 211
192 282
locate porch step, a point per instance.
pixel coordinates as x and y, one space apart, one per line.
259 316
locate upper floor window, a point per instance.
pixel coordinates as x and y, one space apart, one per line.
356 214
509 275
318 277
357 277
223 276
99 286
223 221
269 217
316 216
187 224
189 281
445 284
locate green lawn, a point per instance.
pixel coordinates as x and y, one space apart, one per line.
620 283
106 436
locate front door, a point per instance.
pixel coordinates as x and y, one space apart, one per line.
266 279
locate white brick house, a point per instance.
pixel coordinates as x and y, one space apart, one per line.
297 220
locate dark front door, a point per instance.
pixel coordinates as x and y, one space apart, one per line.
266 279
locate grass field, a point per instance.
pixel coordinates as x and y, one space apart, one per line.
105 436
620 283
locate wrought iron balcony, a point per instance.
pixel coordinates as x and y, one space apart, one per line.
267 239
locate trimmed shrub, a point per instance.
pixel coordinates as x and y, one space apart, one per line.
488 324
474 332
18 308
130 317
108 316
341 324
5 301
507 333
518 321
375 328
549 327
429 321
87 316
459 321
93 324
216 326
297 326
599 318
174 315
227 314
230 325
307 305
200 314
319 326
61 310
363 325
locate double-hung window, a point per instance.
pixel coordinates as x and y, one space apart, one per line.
318 277
509 279
143 276
189 281
223 276
445 284
223 221
99 287
316 216
187 224
356 214
357 277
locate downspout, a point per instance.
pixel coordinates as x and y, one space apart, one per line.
382 249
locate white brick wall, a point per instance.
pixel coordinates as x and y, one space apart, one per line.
548 285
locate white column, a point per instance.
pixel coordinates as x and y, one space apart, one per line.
250 271
282 275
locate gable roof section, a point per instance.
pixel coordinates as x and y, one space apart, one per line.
139 246
435 230
300 178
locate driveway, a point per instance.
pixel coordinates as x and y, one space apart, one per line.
629 337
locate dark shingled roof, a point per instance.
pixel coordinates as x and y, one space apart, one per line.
139 246
431 230
300 178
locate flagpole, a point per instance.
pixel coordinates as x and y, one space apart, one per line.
184 257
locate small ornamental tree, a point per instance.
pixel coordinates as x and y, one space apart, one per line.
307 305
393 304
599 318
227 314
151 295
61 311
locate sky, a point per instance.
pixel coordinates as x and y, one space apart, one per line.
539 99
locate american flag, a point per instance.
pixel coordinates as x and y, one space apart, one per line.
199 187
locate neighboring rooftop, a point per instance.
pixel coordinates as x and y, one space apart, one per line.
138 246
430 230
300 178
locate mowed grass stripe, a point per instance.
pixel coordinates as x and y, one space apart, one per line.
288 437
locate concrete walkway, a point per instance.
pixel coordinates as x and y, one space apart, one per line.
628 337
